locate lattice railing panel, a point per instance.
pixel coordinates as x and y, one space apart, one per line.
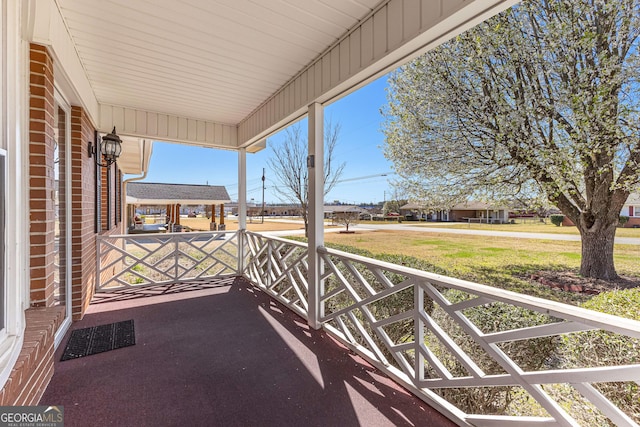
279 267
484 356
487 356
148 259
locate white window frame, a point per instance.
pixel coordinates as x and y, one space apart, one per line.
3 241
62 103
14 110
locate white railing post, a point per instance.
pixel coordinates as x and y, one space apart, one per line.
242 206
315 230
418 324
240 241
268 280
176 258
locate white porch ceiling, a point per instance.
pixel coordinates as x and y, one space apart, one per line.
215 60
228 73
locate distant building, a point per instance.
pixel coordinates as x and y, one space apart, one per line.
330 211
480 212
632 209
152 197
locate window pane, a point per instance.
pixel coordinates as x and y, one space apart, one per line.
59 173
3 236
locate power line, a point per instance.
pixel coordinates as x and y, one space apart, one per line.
357 178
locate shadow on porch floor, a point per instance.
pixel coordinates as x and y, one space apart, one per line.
224 354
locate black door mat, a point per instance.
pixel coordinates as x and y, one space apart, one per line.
98 339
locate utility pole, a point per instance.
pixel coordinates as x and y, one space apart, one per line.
262 196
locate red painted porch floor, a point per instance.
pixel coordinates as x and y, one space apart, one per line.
223 354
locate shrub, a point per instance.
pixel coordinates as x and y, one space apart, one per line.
582 349
386 307
623 220
556 219
602 348
532 354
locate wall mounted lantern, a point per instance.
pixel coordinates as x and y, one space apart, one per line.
110 149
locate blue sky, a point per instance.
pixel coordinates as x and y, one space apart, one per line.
359 147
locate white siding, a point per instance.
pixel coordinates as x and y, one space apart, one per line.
165 127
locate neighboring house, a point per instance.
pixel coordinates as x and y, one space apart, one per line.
413 211
479 212
632 209
274 210
330 211
416 211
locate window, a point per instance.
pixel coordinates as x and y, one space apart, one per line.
14 249
3 238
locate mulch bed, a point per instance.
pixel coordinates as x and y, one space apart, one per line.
570 281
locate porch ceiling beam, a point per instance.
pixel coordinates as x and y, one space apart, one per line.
168 127
395 32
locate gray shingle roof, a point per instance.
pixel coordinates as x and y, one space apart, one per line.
473 205
411 206
343 208
150 193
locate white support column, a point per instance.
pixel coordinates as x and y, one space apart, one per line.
315 164
242 205
242 189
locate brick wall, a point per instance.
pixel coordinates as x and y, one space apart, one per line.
34 367
83 189
84 211
32 371
41 182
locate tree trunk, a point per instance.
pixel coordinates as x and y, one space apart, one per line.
597 252
305 218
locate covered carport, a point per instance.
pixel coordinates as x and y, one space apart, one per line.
173 196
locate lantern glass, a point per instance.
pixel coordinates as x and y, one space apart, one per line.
111 146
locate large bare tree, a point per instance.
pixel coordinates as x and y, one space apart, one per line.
541 99
289 165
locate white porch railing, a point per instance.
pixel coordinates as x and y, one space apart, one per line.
146 259
481 355
279 268
430 333
379 309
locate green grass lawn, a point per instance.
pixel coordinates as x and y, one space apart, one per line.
530 227
495 261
